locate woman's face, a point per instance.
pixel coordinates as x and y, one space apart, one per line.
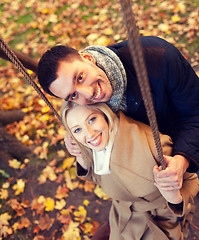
89 127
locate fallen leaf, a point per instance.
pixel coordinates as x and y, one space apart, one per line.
45 222
60 204
4 218
3 193
72 232
62 192
98 191
19 186
68 162
14 163
49 203
80 214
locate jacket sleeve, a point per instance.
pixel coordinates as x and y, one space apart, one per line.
182 85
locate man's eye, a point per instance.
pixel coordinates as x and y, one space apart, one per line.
77 130
80 78
74 96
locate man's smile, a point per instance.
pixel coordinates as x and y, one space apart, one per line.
98 93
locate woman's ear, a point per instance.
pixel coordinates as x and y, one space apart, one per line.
87 56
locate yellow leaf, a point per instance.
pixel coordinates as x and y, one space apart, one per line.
3 193
41 199
44 118
48 172
29 71
86 202
15 226
68 180
98 191
164 27
6 185
92 37
14 163
46 11
88 227
4 218
103 40
42 179
62 132
175 18
5 231
19 186
49 203
109 31
45 109
60 204
53 18
61 153
65 212
73 232
80 215
25 138
68 162
19 46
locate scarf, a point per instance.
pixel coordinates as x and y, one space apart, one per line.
110 63
101 159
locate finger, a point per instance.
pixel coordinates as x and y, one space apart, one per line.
170 188
166 173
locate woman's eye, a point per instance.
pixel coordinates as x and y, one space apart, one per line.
77 130
80 78
74 96
92 120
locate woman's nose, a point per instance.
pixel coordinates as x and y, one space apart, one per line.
89 132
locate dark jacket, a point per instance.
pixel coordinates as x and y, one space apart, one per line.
175 92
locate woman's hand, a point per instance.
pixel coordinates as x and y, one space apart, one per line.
71 145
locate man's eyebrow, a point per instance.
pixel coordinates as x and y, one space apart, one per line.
73 81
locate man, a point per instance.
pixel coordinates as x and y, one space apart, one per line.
106 74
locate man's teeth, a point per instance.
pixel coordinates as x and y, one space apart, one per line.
98 92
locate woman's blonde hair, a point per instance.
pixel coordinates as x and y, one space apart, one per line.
102 107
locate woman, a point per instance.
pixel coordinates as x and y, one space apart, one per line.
119 154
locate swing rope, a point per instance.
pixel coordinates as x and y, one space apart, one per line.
140 68
14 59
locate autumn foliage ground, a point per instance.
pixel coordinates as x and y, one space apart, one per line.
40 197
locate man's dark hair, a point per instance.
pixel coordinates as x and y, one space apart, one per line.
49 62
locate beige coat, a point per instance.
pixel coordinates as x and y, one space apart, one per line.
138 211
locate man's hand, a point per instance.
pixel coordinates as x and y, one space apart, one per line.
172 177
71 145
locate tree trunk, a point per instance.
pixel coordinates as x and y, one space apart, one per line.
28 62
10 147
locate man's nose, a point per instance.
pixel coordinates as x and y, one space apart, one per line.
85 91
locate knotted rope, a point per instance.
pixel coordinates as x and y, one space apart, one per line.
140 68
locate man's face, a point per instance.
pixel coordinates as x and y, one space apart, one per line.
81 81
